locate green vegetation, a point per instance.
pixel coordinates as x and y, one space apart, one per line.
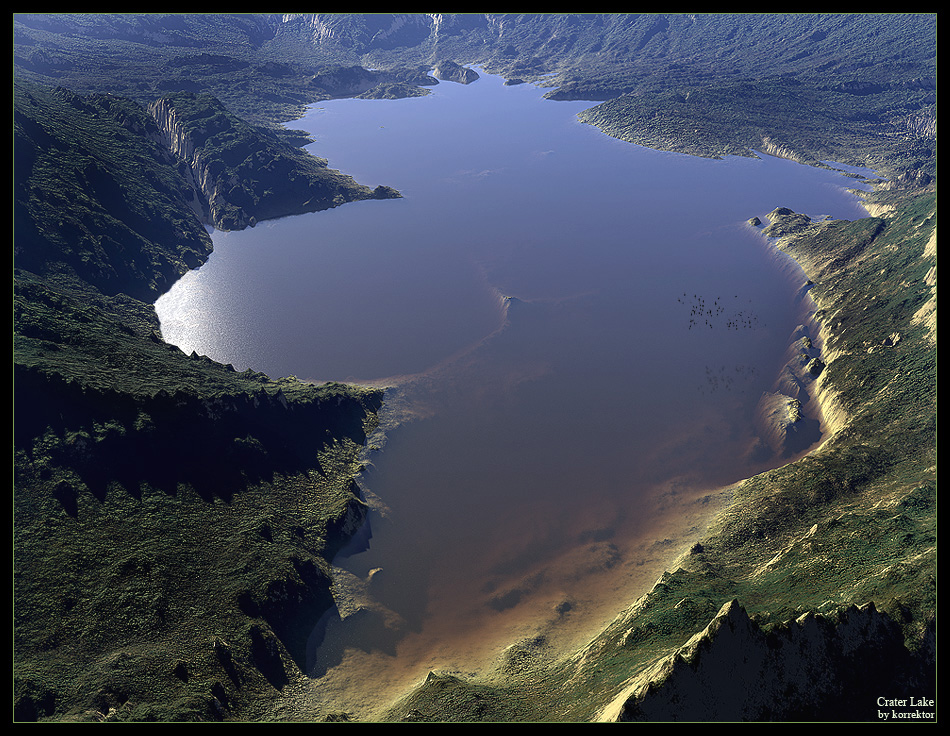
783 116
259 67
174 518
852 523
97 196
247 173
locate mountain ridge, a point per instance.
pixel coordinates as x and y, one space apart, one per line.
108 625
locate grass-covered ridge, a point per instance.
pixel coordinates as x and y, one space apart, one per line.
852 524
173 517
165 507
787 117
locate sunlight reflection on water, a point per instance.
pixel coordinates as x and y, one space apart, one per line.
577 323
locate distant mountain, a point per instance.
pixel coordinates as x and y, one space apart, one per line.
175 519
821 86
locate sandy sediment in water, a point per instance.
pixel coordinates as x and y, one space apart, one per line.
561 608
556 619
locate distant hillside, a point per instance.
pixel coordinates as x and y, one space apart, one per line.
856 86
245 174
174 519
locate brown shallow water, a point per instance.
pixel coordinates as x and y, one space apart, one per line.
574 333
501 516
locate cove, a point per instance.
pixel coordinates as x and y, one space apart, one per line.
574 333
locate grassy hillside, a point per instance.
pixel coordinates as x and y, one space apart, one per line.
780 116
96 195
851 524
174 519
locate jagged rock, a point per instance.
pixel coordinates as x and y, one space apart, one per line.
778 419
815 366
385 192
814 667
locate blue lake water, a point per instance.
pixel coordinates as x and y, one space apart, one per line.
575 326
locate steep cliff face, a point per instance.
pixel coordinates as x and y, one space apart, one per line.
811 668
244 174
94 192
173 135
376 31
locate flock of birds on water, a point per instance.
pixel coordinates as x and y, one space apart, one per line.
699 310
705 314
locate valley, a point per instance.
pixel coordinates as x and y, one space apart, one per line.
177 517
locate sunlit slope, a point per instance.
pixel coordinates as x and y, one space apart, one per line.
841 544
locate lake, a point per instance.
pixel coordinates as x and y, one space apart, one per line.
574 333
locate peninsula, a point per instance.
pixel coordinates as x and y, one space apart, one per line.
175 519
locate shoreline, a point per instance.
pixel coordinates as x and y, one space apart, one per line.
663 545
679 535
832 419
159 627
491 661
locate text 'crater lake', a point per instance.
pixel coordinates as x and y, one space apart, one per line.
579 328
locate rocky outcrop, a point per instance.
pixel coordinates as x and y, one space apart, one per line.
243 174
449 71
812 668
785 423
803 364
777 149
785 222
210 194
339 81
374 31
778 421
